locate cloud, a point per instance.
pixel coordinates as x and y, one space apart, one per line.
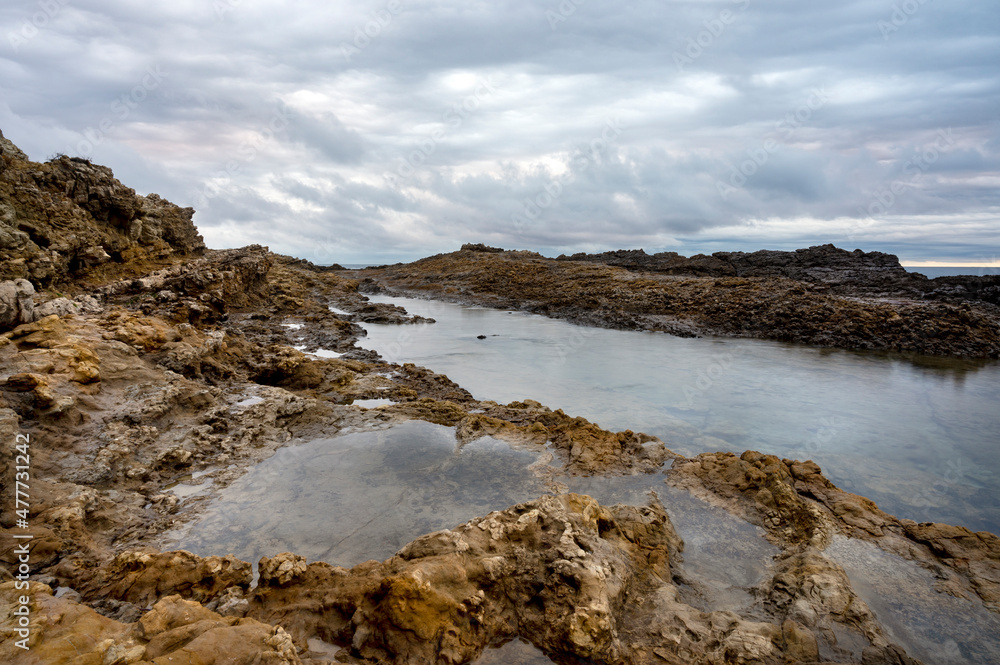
386 130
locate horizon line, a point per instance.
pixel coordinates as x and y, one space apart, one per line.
941 264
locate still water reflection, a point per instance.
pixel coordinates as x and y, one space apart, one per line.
361 496
919 436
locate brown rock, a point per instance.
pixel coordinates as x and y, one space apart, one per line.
16 303
61 631
822 296
800 643
8 149
554 570
975 554
142 579
173 632
281 569
69 217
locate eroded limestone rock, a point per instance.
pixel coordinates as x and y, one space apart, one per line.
174 631
16 303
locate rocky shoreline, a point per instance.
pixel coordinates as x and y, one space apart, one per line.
821 296
133 357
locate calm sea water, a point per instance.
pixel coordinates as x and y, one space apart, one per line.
947 271
917 435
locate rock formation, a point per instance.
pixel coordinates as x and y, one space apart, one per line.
786 296
132 357
825 268
67 219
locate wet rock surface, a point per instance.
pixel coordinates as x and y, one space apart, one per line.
148 361
822 296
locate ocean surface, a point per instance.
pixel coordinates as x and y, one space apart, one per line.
942 271
947 271
918 435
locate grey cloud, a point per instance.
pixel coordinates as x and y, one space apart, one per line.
317 184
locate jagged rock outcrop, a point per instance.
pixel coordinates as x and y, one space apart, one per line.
204 290
142 579
557 571
306 265
824 267
821 263
68 217
480 247
8 149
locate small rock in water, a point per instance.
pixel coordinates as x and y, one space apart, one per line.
481 337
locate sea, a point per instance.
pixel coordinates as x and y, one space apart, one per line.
948 271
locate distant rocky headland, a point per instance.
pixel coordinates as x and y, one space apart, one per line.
131 357
822 296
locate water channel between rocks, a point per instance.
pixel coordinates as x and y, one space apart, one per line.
364 495
917 435
918 438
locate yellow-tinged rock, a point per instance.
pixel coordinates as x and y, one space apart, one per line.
62 631
170 613
44 332
84 363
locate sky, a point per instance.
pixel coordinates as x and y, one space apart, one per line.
387 130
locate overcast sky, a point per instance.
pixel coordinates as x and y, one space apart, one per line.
388 130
